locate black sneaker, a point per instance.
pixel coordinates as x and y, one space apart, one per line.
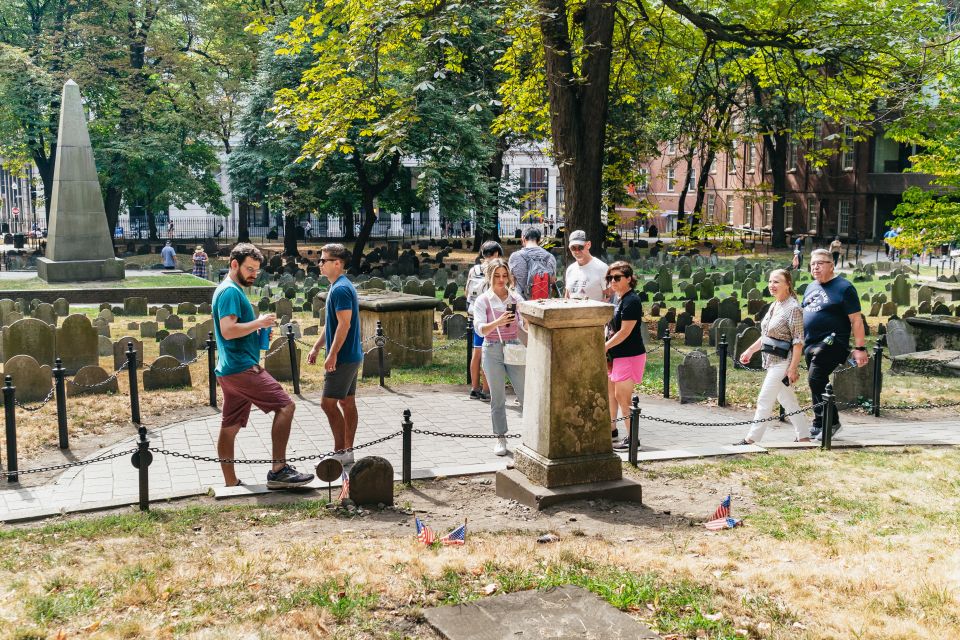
287 478
815 432
614 434
623 445
833 432
476 394
484 396
742 443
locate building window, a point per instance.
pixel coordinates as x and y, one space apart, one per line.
671 179
711 207
533 194
672 147
692 180
793 148
751 158
767 161
713 165
788 215
732 158
843 217
730 210
812 214
748 212
849 146
561 201
767 213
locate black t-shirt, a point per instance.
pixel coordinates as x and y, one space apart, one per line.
629 308
826 310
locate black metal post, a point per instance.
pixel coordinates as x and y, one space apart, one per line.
666 364
380 341
877 376
829 416
212 368
58 375
134 391
407 447
10 412
294 369
722 370
634 429
469 347
144 459
783 414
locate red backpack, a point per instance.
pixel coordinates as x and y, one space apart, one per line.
538 276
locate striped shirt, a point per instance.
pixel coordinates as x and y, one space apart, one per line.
783 321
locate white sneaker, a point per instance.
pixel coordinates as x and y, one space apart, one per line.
500 448
346 459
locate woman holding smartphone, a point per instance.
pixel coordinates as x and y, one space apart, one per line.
625 349
495 318
781 345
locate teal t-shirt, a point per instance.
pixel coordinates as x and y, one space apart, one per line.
343 296
238 354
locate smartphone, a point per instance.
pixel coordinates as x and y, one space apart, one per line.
512 309
786 381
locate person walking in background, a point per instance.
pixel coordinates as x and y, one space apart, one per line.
170 229
781 346
476 286
533 267
831 312
243 380
835 248
200 262
626 352
168 255
584 279
496 319
341 337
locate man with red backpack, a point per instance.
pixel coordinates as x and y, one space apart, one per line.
533 267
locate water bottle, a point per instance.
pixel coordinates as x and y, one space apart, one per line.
829 339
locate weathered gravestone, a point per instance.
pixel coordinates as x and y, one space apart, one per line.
900 338
693 336
710 311
730 309
32 380
455 326
91 380
164 373
61 307
284 308
162 315
697 378
78 344
277 363
148 329
102 327
135 306
852 384
31 337
104 346
200 333
900 290
888 309
45 312
683 321
106 314
173 323
744 339
371 481
924 307
664 279
940 309
120 351
924 294
180 346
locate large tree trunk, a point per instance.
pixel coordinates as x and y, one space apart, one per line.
776 146
682 200
290 225
45 166
369 190
579 107
486 227
366 197
696 218
243 221
111 204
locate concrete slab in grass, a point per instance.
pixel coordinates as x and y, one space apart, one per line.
561 612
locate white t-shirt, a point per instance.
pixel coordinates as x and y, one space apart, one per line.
586 282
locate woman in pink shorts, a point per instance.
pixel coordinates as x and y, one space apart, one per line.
625 349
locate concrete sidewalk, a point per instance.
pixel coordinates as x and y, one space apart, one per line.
114 482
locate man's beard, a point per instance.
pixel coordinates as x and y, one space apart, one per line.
246 282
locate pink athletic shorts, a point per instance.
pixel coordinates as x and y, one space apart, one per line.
628 368
249 387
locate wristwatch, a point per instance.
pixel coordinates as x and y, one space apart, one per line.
860 348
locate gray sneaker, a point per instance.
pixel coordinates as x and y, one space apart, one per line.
287 478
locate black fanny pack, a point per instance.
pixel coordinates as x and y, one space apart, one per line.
779 348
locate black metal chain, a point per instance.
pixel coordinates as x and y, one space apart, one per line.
37 407
59 467
475 436
190 456
741 423
111 377
452 342
910 407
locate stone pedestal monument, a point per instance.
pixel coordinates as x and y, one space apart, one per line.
566 453
79 245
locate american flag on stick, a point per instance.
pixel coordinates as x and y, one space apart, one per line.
723 523
344 487
723 510
457 536
424 533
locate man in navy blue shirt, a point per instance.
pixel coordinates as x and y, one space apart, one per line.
831 312
344 354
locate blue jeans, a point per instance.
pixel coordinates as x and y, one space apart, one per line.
496 371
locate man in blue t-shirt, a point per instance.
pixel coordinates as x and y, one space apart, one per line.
344 354
243 380
169 256
831 312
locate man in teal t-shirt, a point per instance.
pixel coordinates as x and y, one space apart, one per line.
344 354
243 380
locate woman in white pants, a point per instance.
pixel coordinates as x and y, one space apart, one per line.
781 345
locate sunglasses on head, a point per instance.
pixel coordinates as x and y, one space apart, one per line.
616 277
576 247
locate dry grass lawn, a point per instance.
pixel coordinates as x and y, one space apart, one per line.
855 544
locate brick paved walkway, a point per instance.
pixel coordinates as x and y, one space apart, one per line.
112 483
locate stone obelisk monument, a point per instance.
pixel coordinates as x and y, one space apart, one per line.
79 244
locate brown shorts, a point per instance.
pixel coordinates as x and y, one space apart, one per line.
253 386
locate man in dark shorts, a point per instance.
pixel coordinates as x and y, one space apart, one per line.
344 354
831 313
243 380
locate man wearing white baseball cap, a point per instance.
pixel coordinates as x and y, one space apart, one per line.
585 277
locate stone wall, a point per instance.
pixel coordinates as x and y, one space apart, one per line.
155 295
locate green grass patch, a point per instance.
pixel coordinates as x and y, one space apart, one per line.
60 604
344 600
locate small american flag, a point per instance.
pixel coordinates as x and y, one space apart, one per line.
457 536
723 523
344 487
723 510
424 533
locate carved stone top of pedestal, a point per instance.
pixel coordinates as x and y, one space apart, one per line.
559 313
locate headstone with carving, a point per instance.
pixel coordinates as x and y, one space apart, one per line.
32 380
697 378
78 344
166 373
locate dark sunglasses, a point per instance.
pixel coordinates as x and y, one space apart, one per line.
577 247
325 260
616 278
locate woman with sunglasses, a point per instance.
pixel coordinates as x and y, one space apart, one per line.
496 319
625 349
